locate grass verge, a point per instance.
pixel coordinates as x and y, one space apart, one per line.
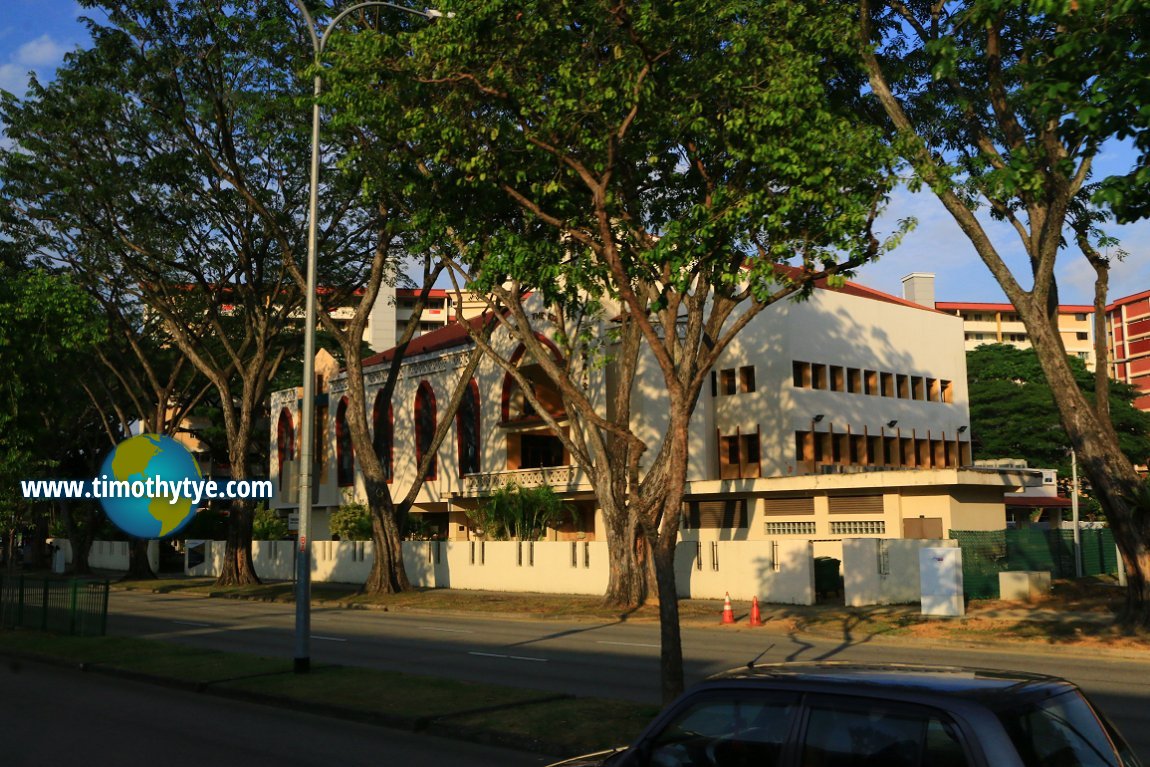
516 717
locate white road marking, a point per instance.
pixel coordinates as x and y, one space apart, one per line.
449 631
329 639
506 657
631 644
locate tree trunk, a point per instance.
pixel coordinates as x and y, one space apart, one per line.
1111 474
79 535
388 575
627 580
139 568
238 567
670 638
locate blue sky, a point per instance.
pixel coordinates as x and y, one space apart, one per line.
36 34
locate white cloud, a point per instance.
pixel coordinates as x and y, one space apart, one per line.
39 55
14 78
41 52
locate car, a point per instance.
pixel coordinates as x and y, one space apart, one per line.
833 714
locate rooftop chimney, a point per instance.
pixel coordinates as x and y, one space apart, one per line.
919 288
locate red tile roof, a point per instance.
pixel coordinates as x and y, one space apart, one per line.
975 306
447 337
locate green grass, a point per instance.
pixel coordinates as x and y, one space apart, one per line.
523 718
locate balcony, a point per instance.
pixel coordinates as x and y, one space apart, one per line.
563 479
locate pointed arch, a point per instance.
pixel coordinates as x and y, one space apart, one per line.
425 421
344 455
383 433
285 441
467 430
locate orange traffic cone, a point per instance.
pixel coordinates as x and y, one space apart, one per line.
756 618
728 613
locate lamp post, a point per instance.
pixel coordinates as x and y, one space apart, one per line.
307 415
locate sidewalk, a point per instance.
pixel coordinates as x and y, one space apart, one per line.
1081 614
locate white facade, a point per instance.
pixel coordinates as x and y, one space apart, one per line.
840 416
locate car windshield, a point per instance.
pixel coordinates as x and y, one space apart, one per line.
1063 731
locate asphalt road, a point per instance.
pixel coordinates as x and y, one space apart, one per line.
51 716
607 659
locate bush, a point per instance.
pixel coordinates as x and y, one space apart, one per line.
268 525
519 513
352 522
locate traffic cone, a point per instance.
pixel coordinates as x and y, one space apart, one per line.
728 613
756 618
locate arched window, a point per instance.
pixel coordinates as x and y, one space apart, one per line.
383 433
425 425
344 457
285 441
467 430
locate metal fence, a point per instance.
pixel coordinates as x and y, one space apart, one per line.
72 606
986 553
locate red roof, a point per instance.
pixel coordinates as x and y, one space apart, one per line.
855 289
951 306
1128 300
414 293
447 337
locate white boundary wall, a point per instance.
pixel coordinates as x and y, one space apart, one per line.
111 555
878 571
875 571
780 572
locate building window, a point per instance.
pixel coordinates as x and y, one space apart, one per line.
801 372
819 376
868 527
383 434
739 456
344 455
727 382
790 528
425 426
1080 317
716 515
747 379
467 430
887 384
285 441
1082 336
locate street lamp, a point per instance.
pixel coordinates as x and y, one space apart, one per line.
307 414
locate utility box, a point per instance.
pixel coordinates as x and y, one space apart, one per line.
940 579
1023 585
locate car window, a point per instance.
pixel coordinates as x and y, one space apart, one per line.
743 730
852 735
1061 731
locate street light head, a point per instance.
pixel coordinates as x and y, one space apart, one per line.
892 423
961 429
817 418
432 13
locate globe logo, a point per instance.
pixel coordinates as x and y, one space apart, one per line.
161 511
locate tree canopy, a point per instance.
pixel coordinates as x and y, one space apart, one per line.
1013 415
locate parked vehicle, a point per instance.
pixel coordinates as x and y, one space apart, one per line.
848 715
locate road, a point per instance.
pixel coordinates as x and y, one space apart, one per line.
51 716
608 659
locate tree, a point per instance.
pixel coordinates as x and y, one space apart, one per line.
1002 108
167 158
629 182
46 323
1012 410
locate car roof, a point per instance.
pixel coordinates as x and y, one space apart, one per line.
889 677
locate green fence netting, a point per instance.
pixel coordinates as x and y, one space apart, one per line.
72 606
986 553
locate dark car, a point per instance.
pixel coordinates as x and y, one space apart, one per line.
847 715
